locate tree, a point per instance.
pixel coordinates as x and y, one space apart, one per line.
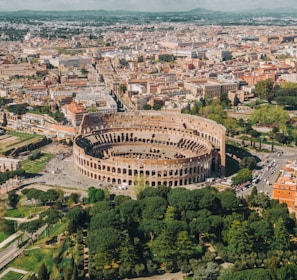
127 256
151 228
148 192
2 216
263 89
13 199
18 109
195 109
100 207
105 219
248 162
260 200
32 226
4 122
262 233
239 238
157 107
105 243
270 115
248 274
123 88
51 216
130 211
74 275
140 59
163 248
84 71
281 236
53 195
209 200
36 195
242 176
95 194
154 207
184 246
288 85
147 107
225 101
35 155
208 271
214 111
231 125
287 272
78 218
73 198
182 199
43 273
228 199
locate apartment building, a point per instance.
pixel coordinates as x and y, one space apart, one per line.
285 188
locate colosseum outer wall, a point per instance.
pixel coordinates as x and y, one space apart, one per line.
174 172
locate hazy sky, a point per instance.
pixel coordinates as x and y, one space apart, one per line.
143 5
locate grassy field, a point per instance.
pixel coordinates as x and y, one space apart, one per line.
37 254
23 212
24 136
13 140
36 166
3 236
53 230
34 257
11 275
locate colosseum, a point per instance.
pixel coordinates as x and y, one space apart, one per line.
158 148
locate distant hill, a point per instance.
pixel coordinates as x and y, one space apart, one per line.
200 11
282 10
197 11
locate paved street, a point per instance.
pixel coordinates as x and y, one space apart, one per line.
268 175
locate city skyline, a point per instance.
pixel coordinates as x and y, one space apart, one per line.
147 5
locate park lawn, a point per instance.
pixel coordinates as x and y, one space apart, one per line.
37 165
52 230
24 136
24 211
33 258
3 236
17 139
11 275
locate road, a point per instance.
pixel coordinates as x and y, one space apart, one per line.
268 175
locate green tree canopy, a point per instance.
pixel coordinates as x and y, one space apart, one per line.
242 176
43 273
248 162
95 194
154 207
78 218
270 115
228 200
13 199
263 89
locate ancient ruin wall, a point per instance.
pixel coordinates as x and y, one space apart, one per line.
155 148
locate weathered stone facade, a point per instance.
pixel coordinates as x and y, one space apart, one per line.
160 148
